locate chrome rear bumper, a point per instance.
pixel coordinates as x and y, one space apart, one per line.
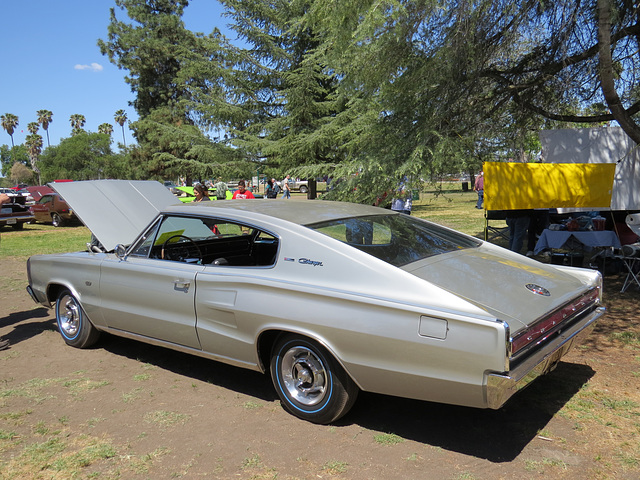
500 387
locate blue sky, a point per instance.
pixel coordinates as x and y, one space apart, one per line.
50 60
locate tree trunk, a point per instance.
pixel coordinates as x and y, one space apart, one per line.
606 73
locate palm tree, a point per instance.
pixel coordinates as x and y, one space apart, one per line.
77 121
33 127
34 148
45 117
105 128
121 118
9 123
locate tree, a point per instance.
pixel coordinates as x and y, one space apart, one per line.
45 117
105 128
276 99
34 147
77 122
172 148
150 49
121 118
20 173
9 123
154 47
564 61
33 127
83 156
10 156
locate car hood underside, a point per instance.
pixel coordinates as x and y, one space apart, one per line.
115 211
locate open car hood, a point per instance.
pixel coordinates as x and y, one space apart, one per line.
115 211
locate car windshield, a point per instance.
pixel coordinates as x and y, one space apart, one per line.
396 239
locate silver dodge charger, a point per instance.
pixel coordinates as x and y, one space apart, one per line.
329 298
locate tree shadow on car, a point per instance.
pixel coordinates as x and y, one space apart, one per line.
495 435
238 379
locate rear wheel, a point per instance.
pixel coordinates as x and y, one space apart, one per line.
56 220
73 324
310 382
303 189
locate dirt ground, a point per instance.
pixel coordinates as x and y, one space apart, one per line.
128 410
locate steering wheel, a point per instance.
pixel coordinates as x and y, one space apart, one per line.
180 251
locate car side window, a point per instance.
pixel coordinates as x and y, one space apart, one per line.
44 199
145 242
207 241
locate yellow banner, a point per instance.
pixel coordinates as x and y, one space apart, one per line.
512 186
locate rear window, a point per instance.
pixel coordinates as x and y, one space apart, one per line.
396 239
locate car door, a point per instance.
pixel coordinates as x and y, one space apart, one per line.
231 290
150 297
150 292
40 209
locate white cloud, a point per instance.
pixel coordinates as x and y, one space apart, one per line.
94 67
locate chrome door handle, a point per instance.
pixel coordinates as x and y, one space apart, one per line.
181 284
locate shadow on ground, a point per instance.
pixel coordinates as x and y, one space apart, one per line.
494 435
497 436
26 324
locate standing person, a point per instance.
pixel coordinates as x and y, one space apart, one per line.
479 187
4 198
402 202
201 193
221 189
538 222
518 223
285 188
408 204
242 191
272 188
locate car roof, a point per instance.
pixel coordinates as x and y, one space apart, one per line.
294 211
116 211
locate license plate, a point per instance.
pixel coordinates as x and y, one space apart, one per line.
11 221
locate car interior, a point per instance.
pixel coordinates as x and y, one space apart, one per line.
207 241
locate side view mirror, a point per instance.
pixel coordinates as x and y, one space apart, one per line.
121 251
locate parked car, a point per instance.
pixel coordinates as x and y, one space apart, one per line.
38 191
329 298
186 195
19 195
301 185
173 188
15 215
51 208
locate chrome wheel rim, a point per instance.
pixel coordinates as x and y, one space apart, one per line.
304 376
69 316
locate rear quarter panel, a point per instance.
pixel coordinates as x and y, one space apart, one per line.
79 272
366 313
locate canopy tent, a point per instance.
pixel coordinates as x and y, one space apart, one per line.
514 186
596 146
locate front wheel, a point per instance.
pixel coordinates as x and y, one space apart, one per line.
303 189
309 381
74 326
